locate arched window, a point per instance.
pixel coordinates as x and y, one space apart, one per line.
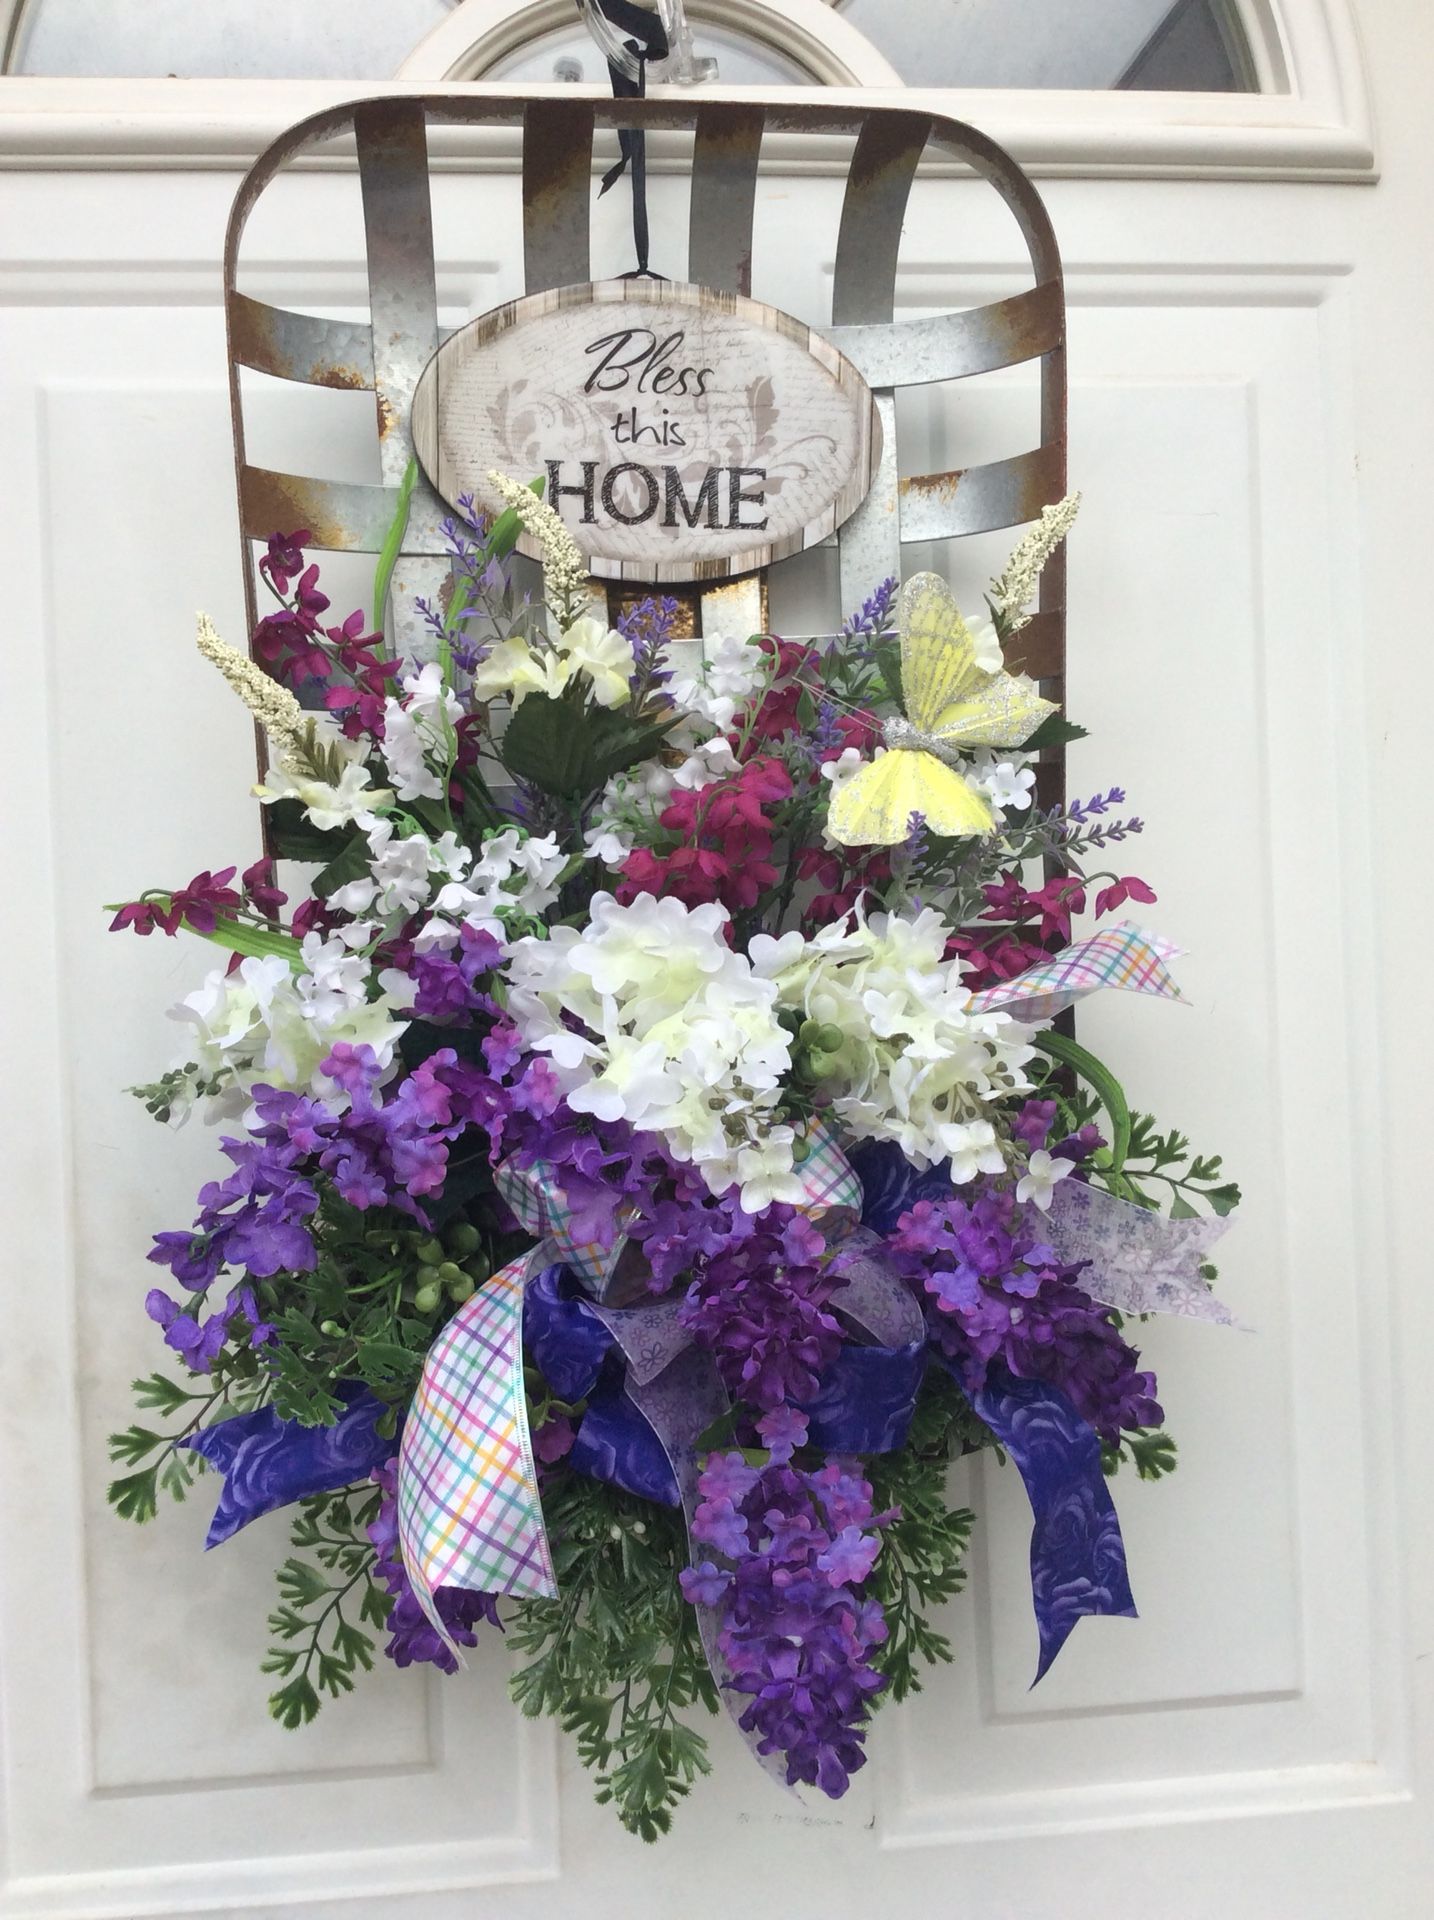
1178 45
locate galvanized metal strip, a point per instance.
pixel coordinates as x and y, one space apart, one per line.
342 516
951 346
941 506
736 610
557 192
299 346
398 235
870 541
883 165
725 158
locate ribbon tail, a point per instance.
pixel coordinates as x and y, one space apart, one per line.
469 1514
1077 1554
1125 956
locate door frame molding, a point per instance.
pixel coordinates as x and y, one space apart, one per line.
1315 123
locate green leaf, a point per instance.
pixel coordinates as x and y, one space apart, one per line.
1054 731
548 744
300 1585
237 936
392 546
1181 1209
133 1444
1104 1084
295 1704
135 1497
157 1393
294 837
504 532
351 863
1224 1199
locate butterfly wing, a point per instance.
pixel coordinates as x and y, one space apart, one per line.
874 807
938 655
947 693
998 712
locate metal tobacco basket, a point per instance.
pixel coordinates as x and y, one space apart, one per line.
883 148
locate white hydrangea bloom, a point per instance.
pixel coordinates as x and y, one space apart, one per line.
649 1016
916 1064
264 1024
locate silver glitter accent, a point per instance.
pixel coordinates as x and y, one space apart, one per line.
899 733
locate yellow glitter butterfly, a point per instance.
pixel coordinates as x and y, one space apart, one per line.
953 705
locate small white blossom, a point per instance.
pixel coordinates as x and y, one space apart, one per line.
418 734
1043 1173
1007 783
607 844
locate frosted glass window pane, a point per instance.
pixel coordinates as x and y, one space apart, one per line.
1169 44
1096 44
201 39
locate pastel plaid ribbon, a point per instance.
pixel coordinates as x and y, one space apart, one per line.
468 1508
1124 956
536 1196
827 1176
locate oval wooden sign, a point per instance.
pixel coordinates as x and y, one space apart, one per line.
683 434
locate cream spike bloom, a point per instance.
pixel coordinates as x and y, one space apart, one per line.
1016 588
565 578
273 706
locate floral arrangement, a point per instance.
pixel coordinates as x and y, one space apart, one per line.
651 1159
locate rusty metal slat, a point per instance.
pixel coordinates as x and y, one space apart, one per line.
341 515
299 346
940 506
557 192
870 542
951 346
398 236
883 166
1039 648
725 158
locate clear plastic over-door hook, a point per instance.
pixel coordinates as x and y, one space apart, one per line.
681 66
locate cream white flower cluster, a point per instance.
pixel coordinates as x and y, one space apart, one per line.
265 1023
915 1064
648 1016
514 669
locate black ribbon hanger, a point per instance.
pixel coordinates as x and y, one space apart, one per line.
648 42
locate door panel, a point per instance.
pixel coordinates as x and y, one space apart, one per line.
1244 1747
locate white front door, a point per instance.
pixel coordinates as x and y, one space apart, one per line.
1252 409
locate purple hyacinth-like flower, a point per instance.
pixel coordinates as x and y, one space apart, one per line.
872 619
759 1306
994 1291
412 1637
794 1631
